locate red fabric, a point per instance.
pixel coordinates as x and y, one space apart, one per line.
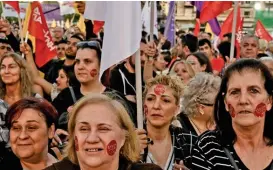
239 35
14 4
97 26
227 25
197 27
217 64
212 9
45 49
261 32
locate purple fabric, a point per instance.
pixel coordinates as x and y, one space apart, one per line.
170 24
214 24
52 11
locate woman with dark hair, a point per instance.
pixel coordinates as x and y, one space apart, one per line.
243 113
31 123
199 62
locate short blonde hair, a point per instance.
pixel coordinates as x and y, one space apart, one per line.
130 150
174 82
187 65
263 44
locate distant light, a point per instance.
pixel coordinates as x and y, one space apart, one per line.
258 6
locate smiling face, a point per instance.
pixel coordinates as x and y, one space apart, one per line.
86 65
10 71
29 135
62 80
181 71
247 101
160 105
98 136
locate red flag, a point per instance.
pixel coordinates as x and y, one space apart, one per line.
45 49
97 26
197 27
14 4
239 35
261 32
227 25
212 9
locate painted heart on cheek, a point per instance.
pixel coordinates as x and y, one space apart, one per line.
231 110
93 72
112 147
159 89
76 143
260 110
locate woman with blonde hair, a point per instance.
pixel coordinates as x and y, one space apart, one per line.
164 144
15 81
182 69
102 137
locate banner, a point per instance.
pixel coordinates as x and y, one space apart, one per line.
45 49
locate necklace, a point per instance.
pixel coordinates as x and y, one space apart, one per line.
196 127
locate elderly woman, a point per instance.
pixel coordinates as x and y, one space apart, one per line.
243 113
197 103
31 122
182 69
161 105
268 61
102 137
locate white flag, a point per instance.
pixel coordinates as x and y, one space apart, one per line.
122 30
146 17
95 10
67 7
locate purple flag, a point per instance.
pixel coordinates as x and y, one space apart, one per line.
170 24
214 24
52 11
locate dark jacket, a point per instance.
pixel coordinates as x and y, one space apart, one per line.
124 164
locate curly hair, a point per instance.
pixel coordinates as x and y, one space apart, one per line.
174 82
201 89
25 78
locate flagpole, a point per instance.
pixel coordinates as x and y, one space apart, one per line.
3 15
234 23
138 73
20 28
152 22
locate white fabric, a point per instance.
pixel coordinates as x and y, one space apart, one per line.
146 17
93 10
122 30
67 7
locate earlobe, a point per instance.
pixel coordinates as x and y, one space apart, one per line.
226 105
51 131
269 104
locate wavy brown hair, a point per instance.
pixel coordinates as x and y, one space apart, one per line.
25 78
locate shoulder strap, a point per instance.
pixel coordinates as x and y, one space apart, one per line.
72 94
231 159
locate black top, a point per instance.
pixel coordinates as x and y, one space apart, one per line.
182 141
124 164
208 153
64 100
186 124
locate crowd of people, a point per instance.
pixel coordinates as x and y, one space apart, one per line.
202 109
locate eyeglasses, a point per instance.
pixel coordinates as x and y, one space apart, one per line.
207 104
89 44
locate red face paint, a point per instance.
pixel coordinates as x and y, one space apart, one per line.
93 72
76 143
145 108
231 110
260 110
159 89
112 147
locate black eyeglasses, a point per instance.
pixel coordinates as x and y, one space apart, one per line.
89 44
207 104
